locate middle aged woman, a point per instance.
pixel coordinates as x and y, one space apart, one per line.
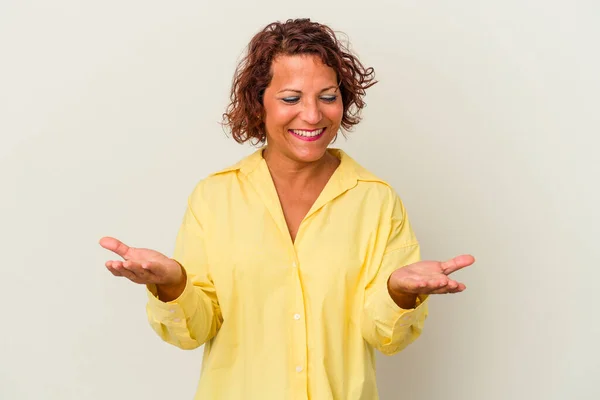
293 265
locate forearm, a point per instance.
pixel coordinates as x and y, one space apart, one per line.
184 314
391 327
392 320
187 322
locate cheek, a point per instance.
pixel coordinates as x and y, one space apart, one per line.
278 117
335 113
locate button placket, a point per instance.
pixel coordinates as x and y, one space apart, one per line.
299 350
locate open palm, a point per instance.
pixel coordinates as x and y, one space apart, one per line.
429 277
143 266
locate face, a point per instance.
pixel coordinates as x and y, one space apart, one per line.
303 108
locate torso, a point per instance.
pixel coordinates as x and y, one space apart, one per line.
262 280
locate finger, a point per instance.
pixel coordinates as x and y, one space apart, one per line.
115 267
114 245
450 288
457 263
438 282
153 267
132 266
417 285
454 287
440 291
424 285
118 266
111 269
138 269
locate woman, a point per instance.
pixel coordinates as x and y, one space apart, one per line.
293 265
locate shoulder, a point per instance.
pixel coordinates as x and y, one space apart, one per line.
378 193
380 196
367 181
223 178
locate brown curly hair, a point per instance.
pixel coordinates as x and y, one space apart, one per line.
295 36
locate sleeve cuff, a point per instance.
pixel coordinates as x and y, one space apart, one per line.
386 310
176 310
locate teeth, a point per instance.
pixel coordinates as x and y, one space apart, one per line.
300 132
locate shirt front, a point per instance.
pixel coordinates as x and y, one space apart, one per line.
283 319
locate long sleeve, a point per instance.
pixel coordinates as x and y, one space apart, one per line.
194 317
386 326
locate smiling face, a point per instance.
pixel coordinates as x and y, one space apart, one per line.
303 108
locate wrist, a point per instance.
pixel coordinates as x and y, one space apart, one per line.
402 299
171 291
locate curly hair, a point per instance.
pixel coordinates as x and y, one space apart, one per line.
294 37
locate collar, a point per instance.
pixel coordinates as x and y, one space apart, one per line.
349 170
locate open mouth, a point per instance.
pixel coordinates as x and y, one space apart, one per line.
308 135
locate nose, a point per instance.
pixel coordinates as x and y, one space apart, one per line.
311 113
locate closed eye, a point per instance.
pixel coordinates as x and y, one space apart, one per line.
295 99
329 99
290 100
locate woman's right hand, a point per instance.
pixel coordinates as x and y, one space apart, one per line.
146 266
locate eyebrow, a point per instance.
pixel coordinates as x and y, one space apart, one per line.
299 91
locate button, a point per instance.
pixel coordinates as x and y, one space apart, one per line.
299 368
177 320
172 310
406 317
296 316
294 264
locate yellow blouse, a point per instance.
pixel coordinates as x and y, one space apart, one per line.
282 319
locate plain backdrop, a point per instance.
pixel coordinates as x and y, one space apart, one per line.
485 120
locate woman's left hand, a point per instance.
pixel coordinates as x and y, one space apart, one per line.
429 277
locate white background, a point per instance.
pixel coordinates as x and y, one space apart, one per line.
485 120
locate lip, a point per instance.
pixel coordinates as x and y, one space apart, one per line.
308 139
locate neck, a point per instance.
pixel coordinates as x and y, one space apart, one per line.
295 173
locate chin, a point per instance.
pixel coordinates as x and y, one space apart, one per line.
310 152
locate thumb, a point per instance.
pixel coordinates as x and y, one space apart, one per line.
457 263
115 245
